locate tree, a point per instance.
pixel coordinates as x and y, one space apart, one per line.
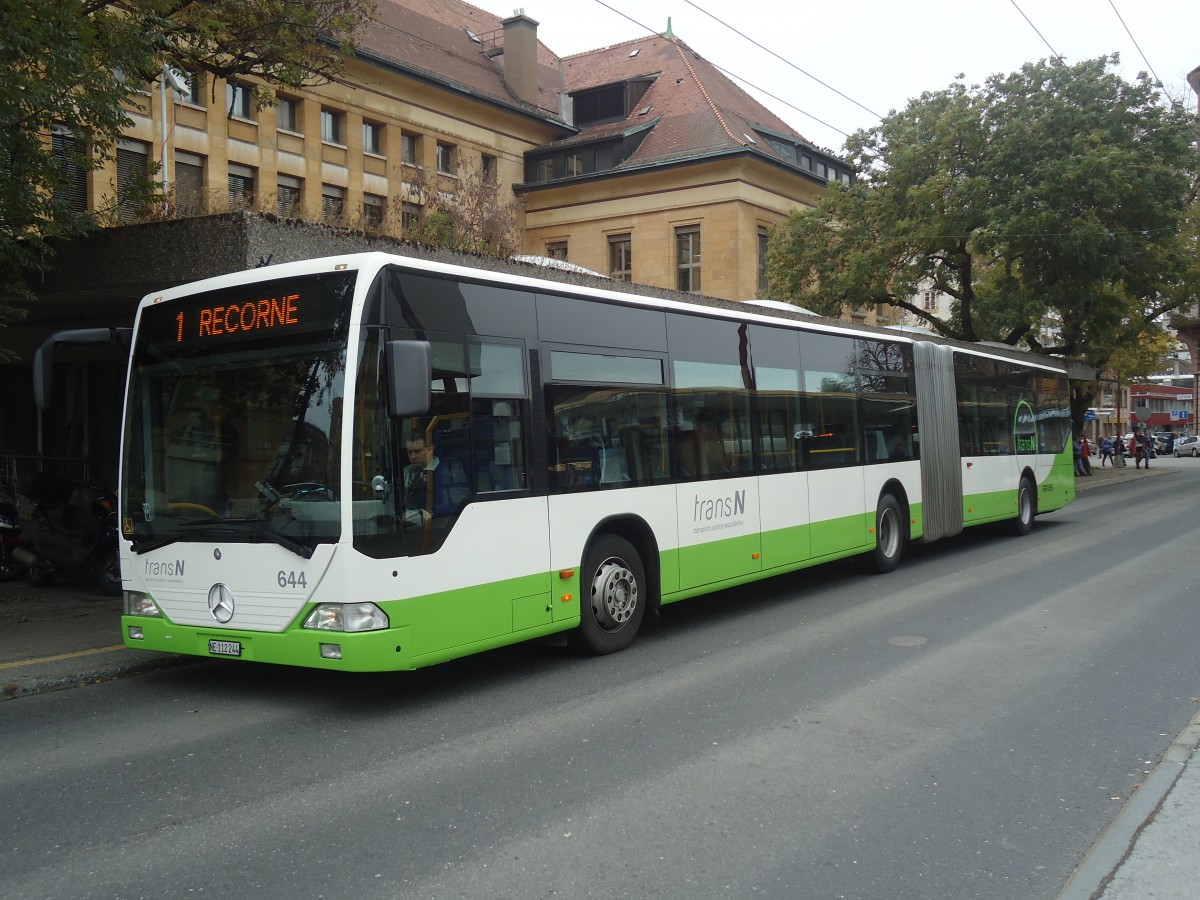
473 218
1058 195
70 66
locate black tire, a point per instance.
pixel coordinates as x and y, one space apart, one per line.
10 569
108 575
891 535
1026 508
612 602
40 576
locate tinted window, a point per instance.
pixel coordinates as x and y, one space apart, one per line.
569 320
829 432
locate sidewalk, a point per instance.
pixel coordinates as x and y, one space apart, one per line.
1102 475
62 636
67 635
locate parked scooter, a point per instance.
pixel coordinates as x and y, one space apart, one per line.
68 527
10 535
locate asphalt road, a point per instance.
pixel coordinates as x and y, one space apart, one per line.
965 727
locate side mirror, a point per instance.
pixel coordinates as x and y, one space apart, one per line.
410 371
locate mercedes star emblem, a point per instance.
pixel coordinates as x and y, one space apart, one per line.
220 603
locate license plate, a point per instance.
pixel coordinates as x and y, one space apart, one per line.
225 648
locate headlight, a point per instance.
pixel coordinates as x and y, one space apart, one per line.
347 617
138 603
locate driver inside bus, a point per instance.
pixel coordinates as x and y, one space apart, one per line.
425 495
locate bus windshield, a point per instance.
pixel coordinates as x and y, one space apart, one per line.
234 415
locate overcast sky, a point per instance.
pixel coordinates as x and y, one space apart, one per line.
879 53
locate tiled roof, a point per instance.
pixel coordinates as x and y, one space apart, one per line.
697 109
430 37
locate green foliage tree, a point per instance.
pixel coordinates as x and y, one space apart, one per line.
1060 195
70 66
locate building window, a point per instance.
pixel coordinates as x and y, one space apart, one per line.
557 250
574 164
189 183
333 202
620 257
687 258
445 158
195 94
238 101
410 148
287 115
74 177
287 196
373 138
929 299
763 241
133 167
410 215
544 170
331 126
487 167
241 187
373 206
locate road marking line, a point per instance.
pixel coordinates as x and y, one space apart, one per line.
45 659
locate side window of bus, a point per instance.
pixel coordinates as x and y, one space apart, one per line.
829 433
779 411
498 415
1053 411
885 390
606 415
710 365
984 418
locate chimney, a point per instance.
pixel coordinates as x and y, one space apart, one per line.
520 57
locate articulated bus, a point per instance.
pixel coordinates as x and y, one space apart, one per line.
374 462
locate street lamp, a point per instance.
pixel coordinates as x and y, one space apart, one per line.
176 81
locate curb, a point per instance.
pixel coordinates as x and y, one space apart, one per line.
32 685
1117 841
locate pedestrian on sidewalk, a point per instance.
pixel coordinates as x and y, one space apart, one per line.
1147 445
1106 452
1085 455
1077 456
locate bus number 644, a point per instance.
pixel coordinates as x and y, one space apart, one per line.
291 579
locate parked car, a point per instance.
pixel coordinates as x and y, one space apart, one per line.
1187 446
1164 441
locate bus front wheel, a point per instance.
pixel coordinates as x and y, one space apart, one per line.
890 535
613 601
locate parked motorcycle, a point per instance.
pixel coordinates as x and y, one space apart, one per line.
68 527
10 535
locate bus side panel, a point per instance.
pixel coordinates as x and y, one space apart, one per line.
475 587
989 488
785 521
1057 487
574 517
837 511
908 473
719 524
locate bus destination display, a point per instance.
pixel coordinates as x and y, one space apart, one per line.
275 310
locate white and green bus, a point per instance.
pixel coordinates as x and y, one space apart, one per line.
374 462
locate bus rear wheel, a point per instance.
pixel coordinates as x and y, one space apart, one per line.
613 601
890 535
1023 524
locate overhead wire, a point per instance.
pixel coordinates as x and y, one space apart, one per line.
1054 52
782 59
732 75
1121 19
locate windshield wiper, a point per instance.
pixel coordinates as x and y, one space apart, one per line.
153 543
225 526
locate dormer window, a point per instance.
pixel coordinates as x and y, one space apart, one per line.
610 103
